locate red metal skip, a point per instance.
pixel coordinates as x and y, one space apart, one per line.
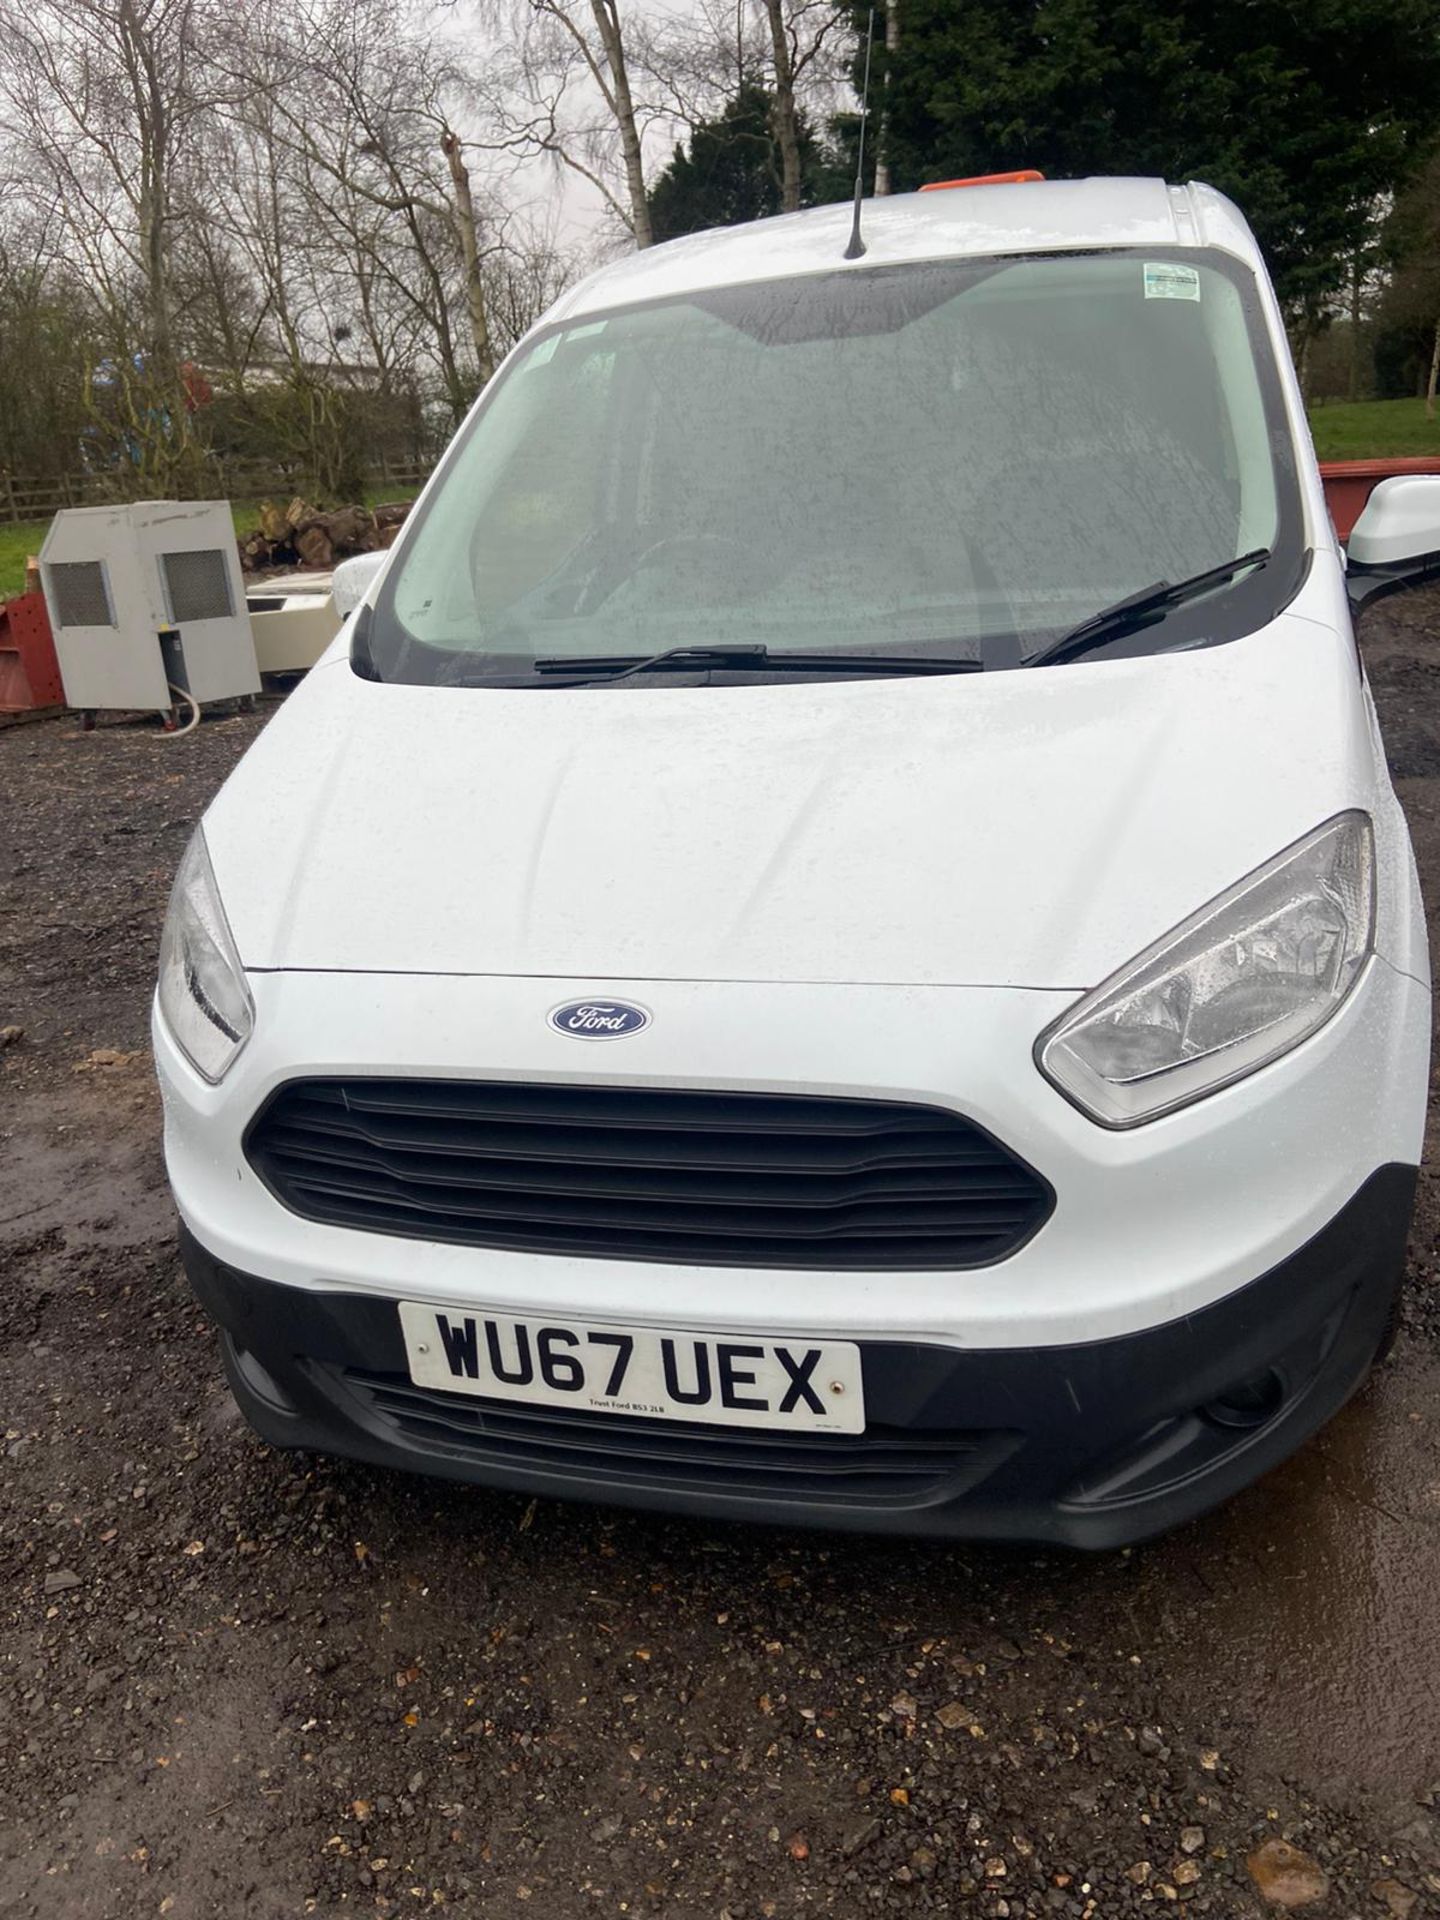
29 671
1348 484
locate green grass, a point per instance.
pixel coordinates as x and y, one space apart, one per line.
1374 430
16 541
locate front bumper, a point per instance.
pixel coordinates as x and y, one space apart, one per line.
1051 1395
1094 1444
1148 1225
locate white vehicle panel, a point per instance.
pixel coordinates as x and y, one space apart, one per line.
1148 1225
1009 829
1031 217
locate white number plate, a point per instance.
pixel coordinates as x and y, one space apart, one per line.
732 1380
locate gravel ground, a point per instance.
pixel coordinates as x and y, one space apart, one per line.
245 1683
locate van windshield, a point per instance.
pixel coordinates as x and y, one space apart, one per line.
955 461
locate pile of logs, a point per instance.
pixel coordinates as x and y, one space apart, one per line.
301 536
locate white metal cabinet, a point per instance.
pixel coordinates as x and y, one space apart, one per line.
146 595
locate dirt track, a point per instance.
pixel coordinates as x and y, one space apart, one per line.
234 1682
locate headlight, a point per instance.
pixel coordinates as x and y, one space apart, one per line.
1236 985
203 995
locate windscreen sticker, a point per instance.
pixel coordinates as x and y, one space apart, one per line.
1165 281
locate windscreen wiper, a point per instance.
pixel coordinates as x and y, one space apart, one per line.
596 667
606 669
1141 609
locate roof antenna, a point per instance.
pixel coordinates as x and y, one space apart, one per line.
857 246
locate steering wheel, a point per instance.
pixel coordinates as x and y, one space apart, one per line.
679 543
617 570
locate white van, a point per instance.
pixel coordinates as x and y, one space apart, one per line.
831 943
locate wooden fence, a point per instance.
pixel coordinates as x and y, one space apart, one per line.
33 499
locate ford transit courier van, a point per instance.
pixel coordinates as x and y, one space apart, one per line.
831 942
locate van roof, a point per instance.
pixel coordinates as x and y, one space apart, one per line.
1026 217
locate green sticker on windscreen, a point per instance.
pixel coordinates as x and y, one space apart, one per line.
1166 281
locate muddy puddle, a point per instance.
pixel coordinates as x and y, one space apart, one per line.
1319 1613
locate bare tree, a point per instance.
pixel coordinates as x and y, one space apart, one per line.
696 60
882 143
802 34
527 275
48 339
606 15
468 233
361 110
104 94
566 92
259 228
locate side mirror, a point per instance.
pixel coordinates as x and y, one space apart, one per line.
351 580
1396 541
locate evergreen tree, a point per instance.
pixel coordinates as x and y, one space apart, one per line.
1309 115
731 172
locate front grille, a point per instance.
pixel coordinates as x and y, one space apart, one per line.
709 1179
881 1467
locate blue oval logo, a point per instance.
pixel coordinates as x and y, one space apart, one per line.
599 1019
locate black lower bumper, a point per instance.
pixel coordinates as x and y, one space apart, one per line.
1093 1445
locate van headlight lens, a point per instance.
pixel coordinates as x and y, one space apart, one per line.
1242 981
203 995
